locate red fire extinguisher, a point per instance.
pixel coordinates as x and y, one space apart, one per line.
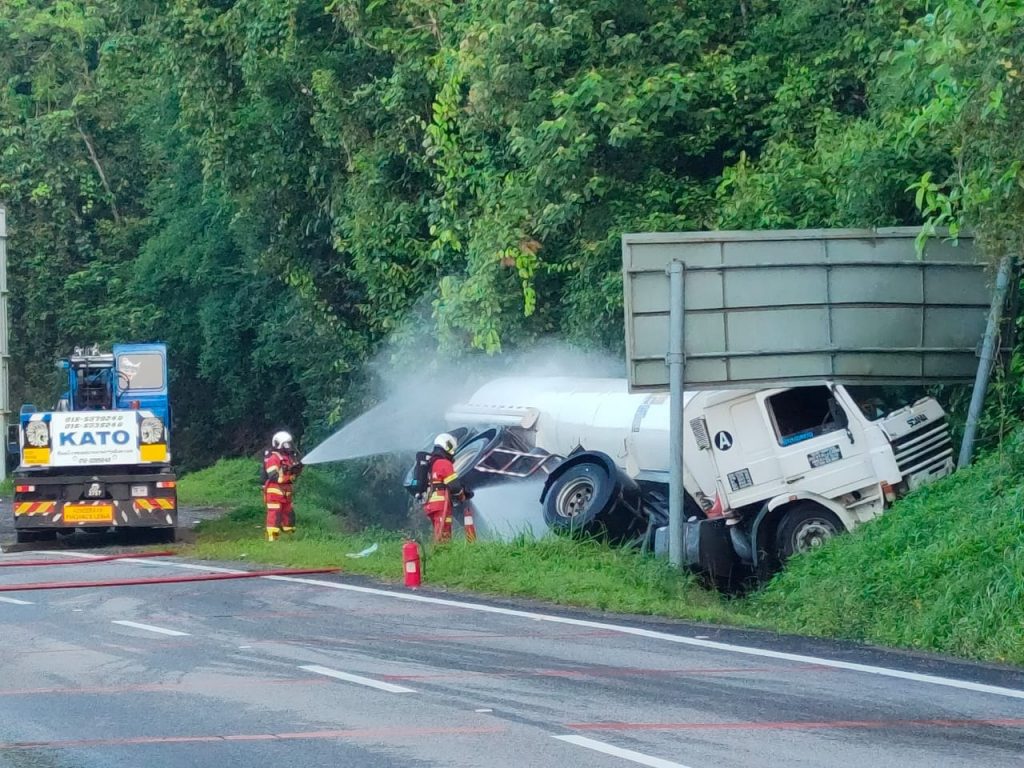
411 563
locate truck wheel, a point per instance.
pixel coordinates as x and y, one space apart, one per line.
804 528
587 500
468 454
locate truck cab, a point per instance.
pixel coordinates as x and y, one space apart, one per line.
793 467
101 458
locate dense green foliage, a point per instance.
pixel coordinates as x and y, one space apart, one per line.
277 188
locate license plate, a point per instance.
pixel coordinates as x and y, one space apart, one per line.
88 513
140 491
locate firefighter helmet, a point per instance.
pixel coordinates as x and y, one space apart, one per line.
282 440
446 443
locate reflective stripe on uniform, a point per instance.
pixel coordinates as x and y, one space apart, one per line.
451 478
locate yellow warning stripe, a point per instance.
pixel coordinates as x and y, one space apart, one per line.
149 505
34 507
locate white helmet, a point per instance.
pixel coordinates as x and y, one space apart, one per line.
282 440
445 442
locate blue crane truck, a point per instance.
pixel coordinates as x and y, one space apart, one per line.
102 458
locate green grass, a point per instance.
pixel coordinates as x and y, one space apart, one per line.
586 574
943 571
559 570
228 483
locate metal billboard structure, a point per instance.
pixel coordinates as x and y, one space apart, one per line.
752 309
793 306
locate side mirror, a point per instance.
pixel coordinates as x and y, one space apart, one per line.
13 439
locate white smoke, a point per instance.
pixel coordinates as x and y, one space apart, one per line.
510 510
414 398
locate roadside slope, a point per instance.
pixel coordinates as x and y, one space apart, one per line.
943 571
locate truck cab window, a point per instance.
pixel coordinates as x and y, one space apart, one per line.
805 412
144 370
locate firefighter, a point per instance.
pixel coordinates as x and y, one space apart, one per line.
444 488
281 465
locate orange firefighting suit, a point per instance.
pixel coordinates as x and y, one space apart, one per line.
281 469
444 486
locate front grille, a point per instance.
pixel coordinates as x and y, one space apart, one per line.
700 432
924 452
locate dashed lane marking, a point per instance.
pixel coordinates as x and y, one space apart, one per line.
151 628
626 754
357 679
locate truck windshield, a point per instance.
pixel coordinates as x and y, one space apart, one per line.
140 371
878 402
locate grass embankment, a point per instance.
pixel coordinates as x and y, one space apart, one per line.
943 571
569 572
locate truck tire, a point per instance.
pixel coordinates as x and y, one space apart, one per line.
803 528
591 498
468 454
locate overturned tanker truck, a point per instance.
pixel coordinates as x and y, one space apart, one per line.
768 473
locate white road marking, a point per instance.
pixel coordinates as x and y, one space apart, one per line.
390 688
626 754
483 710
15 601
151 628
947 682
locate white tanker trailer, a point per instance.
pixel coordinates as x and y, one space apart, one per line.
768 473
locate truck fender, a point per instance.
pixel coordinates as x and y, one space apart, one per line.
774 508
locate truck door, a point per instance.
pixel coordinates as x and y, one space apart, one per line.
820 448
142 377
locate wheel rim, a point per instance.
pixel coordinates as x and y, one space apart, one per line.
812 534
574 498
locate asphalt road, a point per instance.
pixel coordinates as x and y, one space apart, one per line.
327 671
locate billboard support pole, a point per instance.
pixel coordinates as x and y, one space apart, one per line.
5 405
995 314
676 360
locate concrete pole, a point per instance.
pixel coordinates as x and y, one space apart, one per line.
676 360
995 314
5 406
